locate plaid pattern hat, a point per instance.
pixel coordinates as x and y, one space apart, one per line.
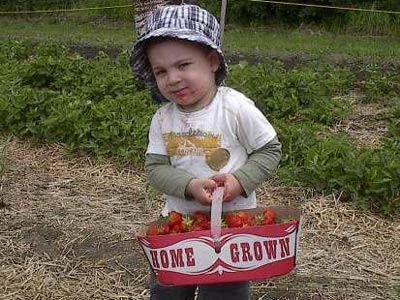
184 22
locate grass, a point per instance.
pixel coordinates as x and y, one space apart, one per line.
315 43
373 23
247 40
105 35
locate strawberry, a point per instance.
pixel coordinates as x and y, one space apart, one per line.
200 217
174 218
197 227
206 225
245 217
251 221
233 220
176 228
269 217
152 230
165 229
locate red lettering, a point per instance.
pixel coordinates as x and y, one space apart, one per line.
270 247
154 259
176 258
173 258
258 251
234 253
189 255
164 258
248 252
246 256
284 243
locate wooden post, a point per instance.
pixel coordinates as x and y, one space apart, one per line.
222 19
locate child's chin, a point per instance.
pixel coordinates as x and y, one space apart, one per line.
185 105
183 102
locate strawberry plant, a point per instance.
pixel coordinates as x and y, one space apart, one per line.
380 85
293 94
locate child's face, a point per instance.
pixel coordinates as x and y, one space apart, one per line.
185 72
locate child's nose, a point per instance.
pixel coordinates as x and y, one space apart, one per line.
173 77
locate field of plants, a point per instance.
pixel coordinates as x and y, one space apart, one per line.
52 94
73 194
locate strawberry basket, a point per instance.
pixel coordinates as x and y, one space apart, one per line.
255 251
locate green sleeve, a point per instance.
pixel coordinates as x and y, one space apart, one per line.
261 164
165 178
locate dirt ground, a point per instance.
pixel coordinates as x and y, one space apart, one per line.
68 225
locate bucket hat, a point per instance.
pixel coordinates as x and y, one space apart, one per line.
183 22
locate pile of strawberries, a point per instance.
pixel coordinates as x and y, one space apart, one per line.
178 223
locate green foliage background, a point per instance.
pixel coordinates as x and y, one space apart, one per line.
244 12
51 94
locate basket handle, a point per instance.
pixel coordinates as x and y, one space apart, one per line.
216 215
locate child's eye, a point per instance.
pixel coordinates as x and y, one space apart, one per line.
183 65
159 73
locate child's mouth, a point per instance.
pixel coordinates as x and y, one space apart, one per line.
181 93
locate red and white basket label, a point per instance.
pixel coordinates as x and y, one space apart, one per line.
239 252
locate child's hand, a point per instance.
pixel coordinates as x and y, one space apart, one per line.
232 187
201 190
